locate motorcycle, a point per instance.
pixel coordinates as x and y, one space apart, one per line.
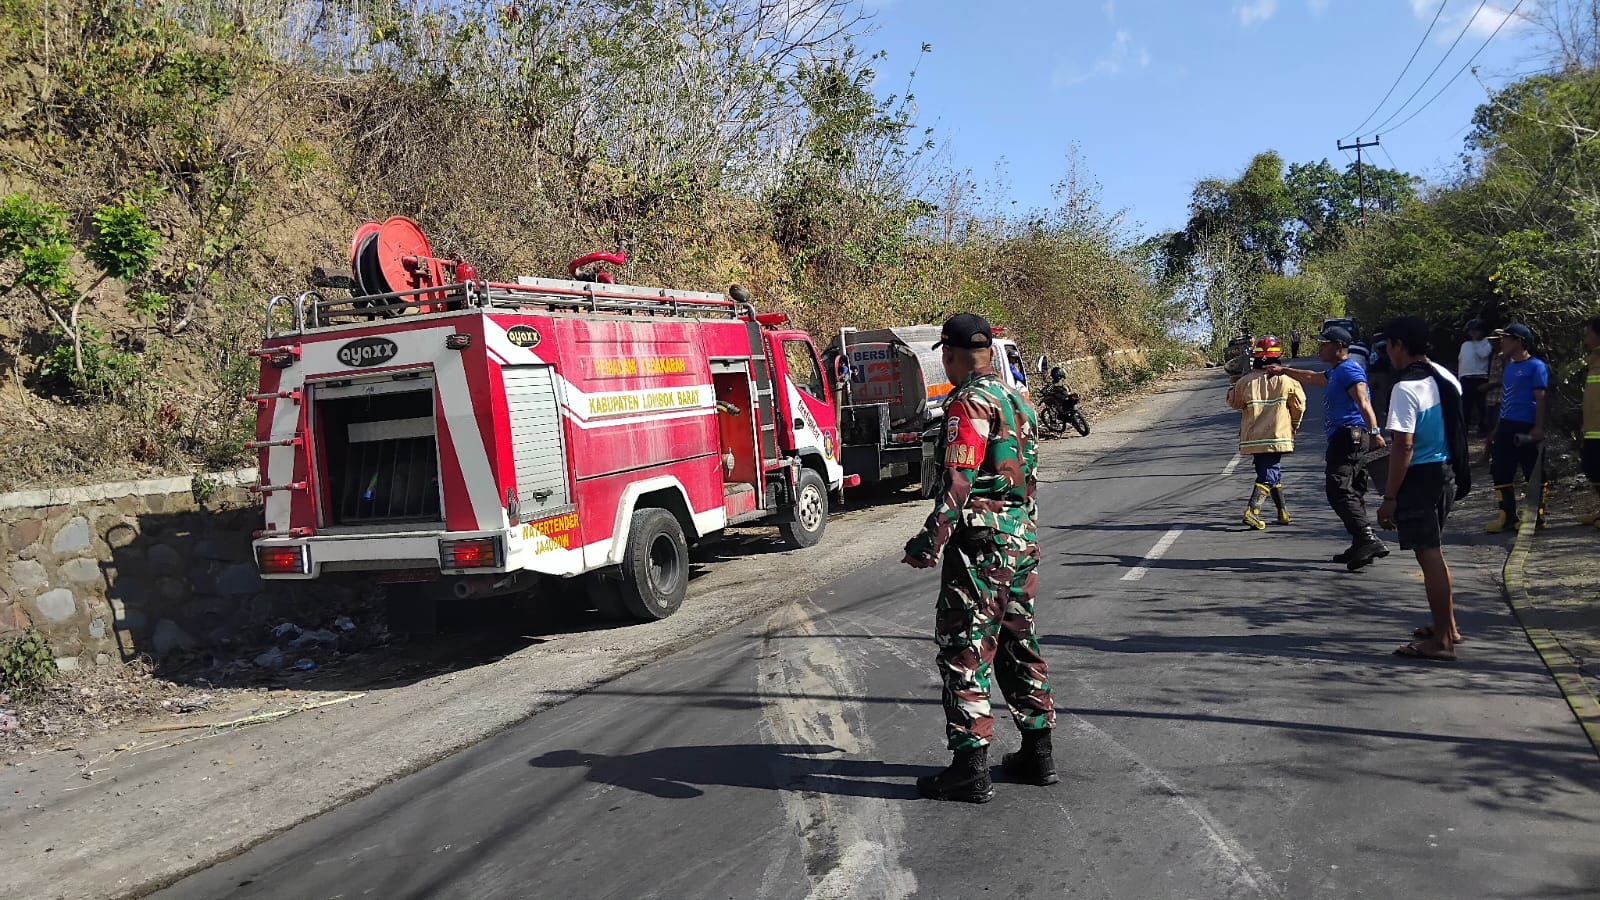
1059 407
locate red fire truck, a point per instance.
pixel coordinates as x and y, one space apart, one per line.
438 431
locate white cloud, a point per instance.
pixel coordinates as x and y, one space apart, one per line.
1484 19
1109 8
1255 12
1118 58
1491 17
1318 7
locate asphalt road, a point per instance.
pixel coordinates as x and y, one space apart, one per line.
1232 724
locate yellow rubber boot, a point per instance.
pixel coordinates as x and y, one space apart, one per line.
1506 517
1283 509
1252 513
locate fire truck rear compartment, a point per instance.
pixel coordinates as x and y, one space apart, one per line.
379 456
736 429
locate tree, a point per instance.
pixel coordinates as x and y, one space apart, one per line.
35 237
1237 233
1327 201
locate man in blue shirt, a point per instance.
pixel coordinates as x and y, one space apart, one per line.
1351 427
1520 434
1429 446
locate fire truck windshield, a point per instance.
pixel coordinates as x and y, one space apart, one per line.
803 369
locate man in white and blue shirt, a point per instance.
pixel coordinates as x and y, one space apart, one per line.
1427 465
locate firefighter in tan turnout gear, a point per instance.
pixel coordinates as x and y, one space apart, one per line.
985 521
1272 407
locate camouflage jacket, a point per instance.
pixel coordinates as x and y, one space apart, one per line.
989 472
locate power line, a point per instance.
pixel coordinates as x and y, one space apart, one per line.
1463 68
1392 164
1464 29
1397 78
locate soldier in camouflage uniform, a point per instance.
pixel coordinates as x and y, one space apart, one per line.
985 520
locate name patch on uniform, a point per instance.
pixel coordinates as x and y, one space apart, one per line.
965 441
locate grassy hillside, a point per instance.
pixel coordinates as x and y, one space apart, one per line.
165 168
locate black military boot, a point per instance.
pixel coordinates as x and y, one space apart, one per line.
1035 763
966 779
1367 549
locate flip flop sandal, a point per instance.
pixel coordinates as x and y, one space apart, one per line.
1414 650
1426 632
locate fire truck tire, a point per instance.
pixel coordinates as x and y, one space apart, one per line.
810 511
655 569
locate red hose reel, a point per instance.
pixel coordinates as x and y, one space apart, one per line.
395 256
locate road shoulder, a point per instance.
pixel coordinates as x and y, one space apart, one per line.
1552 583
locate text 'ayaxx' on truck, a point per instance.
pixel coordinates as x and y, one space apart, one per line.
452 435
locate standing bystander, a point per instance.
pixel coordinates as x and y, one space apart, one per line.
1427 473
1473 368
1294 344
1591 413
1351 427
1519 436
1493 391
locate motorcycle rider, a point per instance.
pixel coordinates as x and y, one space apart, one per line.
1058 407
1272 407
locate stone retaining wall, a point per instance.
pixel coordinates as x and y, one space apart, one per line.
113 571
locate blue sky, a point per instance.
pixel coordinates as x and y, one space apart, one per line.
1160 94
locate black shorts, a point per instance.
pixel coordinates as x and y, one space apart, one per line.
1423 504
1591 459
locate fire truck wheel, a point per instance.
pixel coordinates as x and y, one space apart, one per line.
810 511
655 571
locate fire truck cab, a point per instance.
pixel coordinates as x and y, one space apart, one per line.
495 438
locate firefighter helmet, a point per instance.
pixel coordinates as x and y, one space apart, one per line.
1268 348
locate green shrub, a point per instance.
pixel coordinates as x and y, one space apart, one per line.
27 663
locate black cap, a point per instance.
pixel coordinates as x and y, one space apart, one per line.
968 331
1335 334
1519 331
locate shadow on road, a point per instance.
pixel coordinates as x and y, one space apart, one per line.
679 773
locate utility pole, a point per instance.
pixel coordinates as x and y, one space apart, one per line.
1361 178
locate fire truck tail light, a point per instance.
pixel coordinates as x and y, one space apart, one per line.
472 553
287 560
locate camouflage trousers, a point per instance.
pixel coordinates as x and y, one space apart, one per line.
985 623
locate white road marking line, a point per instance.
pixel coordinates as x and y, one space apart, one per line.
1246 873
1156 552
1233 464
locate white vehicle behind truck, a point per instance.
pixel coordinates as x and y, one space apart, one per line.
890 397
